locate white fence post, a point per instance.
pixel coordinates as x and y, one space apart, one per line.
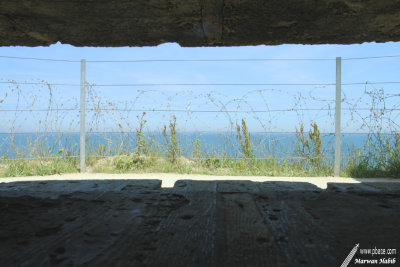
338 114
82 117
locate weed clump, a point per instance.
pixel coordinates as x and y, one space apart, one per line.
309 148
245 140
173 150
197 153
141 141
380 157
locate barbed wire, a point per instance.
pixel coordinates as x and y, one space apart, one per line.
198 111
212 84
37 158
239 102
237 59
198 60
41 59
199 84
39 110
150 133
181 132
154 157
39 83
210 60
38 133
372 57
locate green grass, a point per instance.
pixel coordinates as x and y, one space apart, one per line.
380 157
37 167
156 163
211 166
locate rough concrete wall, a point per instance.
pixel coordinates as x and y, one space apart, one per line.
197 22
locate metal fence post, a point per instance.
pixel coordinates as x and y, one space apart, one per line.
82 117
338 114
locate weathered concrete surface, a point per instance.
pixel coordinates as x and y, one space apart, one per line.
195 223
197 22
169 180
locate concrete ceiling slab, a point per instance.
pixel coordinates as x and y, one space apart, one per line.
197 22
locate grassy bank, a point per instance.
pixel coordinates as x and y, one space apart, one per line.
380 157
145 164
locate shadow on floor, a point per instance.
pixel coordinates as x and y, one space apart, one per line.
195 223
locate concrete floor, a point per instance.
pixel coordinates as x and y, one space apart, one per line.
74 220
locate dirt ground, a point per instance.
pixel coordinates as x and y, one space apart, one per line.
195 223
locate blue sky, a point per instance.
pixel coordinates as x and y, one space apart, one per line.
195 98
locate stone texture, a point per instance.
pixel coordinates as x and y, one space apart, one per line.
197 22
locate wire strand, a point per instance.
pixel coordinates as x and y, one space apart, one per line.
39 110
213 84
211 60
197 60
375 57
199 84
182 132
39 83
197 111
152 157
171 60
41 59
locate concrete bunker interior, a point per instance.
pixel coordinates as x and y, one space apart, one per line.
194 223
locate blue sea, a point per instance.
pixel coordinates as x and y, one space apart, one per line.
265 145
